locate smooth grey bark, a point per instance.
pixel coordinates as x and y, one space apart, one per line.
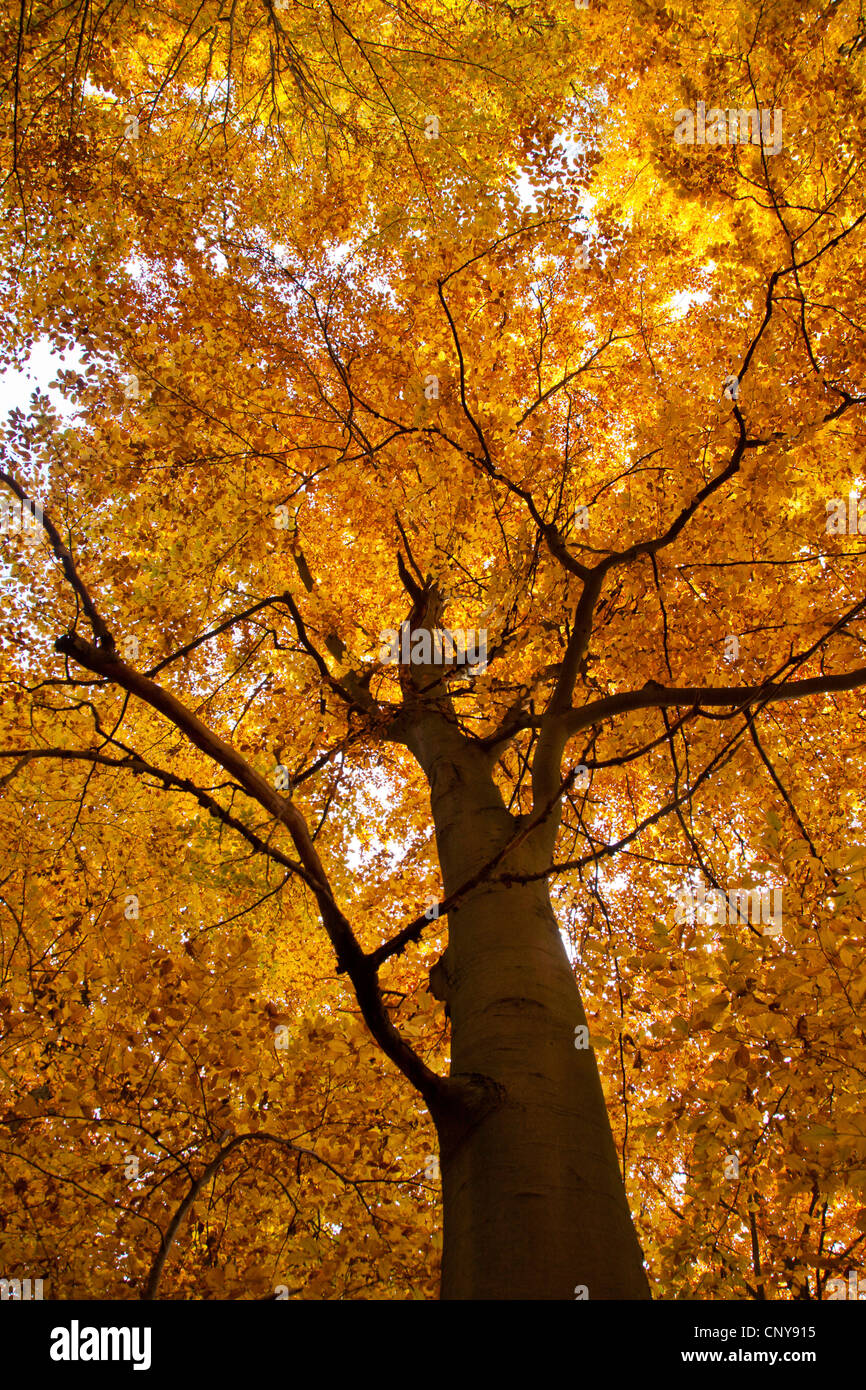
534 1204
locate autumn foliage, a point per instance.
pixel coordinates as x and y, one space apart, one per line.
369 313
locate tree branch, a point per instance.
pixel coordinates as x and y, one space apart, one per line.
347 950
737 697
210 1171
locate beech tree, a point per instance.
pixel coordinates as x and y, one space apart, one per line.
432 650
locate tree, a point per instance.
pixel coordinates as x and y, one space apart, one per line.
387 326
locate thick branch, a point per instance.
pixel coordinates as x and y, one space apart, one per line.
349 955
735 696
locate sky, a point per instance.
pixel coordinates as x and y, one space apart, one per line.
16 387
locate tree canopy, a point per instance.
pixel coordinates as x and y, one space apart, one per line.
373 311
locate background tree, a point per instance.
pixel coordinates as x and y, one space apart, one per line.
390 317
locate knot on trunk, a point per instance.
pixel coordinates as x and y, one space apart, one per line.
440 981
461 1103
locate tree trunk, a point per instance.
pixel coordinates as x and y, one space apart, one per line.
534 1204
